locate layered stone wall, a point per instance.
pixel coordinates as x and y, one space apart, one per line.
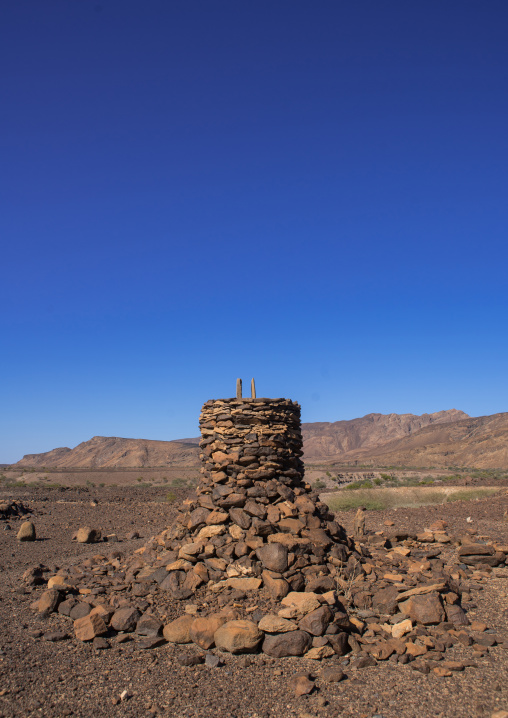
245 440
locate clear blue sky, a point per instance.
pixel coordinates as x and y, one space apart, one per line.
310 193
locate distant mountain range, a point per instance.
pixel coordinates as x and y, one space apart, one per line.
445 438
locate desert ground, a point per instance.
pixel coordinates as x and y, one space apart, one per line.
40 677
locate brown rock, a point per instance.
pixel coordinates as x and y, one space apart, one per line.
274 557
79 610
385 600
88 535
88 627
340 643
149 625
48 601
103 611
178 631
426 609
276 624
301 684
125 619
303 603
277 587
240 518
217 517
202 630
476 549
381 651
456 615
238 637
245 584
332 674
294 643
197 518
316 622
26 532
290 526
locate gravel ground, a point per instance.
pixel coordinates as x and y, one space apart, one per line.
40 678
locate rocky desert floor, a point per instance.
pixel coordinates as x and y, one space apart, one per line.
39 677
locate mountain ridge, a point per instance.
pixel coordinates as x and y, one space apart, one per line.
448 437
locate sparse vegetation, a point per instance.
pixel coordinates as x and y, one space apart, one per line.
319 484
389 498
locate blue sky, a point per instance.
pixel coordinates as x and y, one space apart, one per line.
313 194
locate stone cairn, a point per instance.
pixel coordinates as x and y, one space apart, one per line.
256 562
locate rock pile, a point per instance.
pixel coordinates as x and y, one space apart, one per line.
13 508
255 562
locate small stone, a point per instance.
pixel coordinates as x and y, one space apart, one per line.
54 636
333 674
125 619
202 630
100 643
340 643
317 653
88 535
88 627
274 557
316 622
275 624
441 671
301 684
426 609
365 662
190 659
238 637
62 583
79 610
478 626
178 631
48 601
150 642
294 643
212 661
303 602
26 532
400 629
453 665
149 626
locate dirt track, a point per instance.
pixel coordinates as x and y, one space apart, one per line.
39 678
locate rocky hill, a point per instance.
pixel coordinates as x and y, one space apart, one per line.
343 440
480 442
113 452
